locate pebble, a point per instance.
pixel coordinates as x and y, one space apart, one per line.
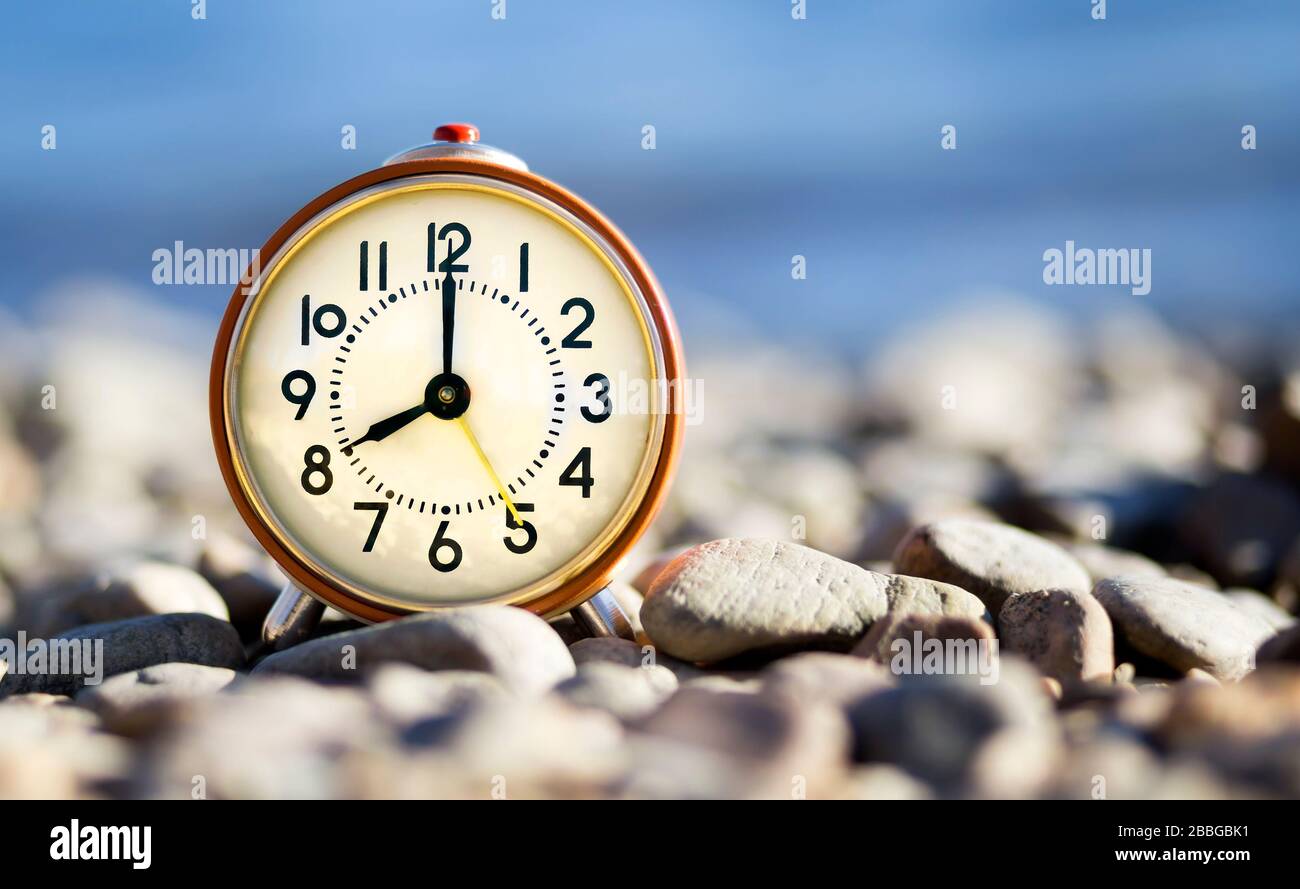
521 748
406 695
1261 606
837 678
517 647
629 654
56 751
704 743
1183 626
879 643
1101 561
991 560
727 597
137 702
934 725
628 693
1065 634
883 782
145 588
275 737
138 643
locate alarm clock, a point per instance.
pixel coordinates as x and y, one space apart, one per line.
447 382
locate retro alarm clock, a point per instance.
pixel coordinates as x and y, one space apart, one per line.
450 382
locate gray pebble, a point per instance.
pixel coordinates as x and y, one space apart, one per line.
1065 634
138 590
1183 626
136 702
515 646
133 645
628 693
989 559
731 596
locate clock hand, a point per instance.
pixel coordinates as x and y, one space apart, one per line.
448 319
386 427
496 480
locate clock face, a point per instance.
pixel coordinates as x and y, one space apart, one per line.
445 390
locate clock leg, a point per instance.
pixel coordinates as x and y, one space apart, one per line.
601 616
290 619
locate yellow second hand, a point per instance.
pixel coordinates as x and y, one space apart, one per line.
501 489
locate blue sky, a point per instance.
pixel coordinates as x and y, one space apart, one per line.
775 137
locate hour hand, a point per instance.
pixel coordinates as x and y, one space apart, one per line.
384 428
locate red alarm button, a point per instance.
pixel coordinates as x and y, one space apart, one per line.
456 132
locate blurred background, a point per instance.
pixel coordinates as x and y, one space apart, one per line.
775 137
921 370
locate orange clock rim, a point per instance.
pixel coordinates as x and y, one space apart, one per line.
598 572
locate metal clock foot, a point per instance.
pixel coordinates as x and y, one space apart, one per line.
290 619
601 616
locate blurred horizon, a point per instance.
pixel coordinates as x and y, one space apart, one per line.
775 137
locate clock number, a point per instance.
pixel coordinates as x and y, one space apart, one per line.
581 463
454 253
317 462
308 392
602 396
381 510
365 265
523 267
441 542
530 532
589 315
316 321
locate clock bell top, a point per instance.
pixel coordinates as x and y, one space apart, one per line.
459 140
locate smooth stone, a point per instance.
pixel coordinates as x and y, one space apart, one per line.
138 643
628 693
1262 607
274 737
145 588
882 782
406 695
989 559
731 596
934 725
1065 634
517 647
137 702
540 747
1101 561
613 650
879 645
704 743
56 752
1183 626
837 678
